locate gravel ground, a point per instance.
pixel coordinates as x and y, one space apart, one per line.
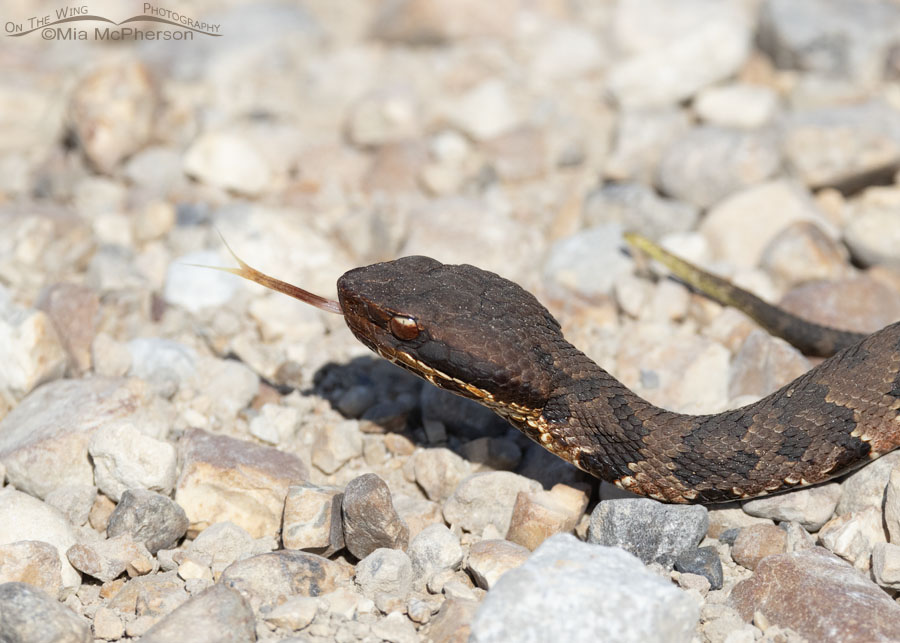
186 456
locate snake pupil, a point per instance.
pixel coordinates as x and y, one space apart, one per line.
404 328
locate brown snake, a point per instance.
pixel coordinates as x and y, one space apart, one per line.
479 335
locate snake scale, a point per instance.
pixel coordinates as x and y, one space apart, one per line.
479 335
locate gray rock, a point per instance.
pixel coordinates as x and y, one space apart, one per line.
74 501
369 518
652 531
28 615
434 549
485 499
641 138
149 517
588 263
195 288
107 559
163 363
638 208
703 561
853 536
124 458
763 365
222 544
385 575
463 417
803 252
396 628
811 507
886 565
219 614
709 163
73 311
560 582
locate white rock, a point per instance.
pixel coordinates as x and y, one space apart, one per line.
737 105
485 111
30 350
227 161
124 458
566 53
275 423
196 288
853 536
485 499
886 565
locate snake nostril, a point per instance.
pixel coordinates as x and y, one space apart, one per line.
404 328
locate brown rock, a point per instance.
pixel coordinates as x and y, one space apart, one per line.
820 597
859 303
370 520
31 561
439 471
756 542
269 579
802 252
106 559
153 595
452 623
537 516
763 365
223 478
312 519
73 310
488 560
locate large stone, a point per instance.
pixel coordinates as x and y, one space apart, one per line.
820 597
370 520
216 615
583 593
223 478
810 507
28 615
31 561
124 458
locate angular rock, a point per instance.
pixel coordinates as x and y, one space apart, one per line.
892 504
44 440
124 458
886 565
385 575
223 478
432 550
369 518
336 445
803 252
641 137
820 597
267 580
295 613
537 516
496 454
228 161
35 520
853 536
755 542
702 562
222 544
439 472
811 507
397 628
163 363
488 560
72 309
740 105
485 499
74 501
107 559
858 303
218 614
27 614
417 512
34 562
153 596
559 581
650 530
312 519
452 622
150 518
587 263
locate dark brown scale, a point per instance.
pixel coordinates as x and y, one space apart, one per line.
477 328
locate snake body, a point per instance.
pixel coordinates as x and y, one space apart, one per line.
479 335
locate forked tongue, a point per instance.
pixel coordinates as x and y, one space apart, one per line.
263 279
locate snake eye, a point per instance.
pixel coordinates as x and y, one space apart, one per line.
404 328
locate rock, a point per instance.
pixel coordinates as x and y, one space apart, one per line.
295 613
163 363
35 520
228 161
537 516
638 208
496 454
740 227
820 597
336 445
857 303
587 263
107 559
872 236
219 614
417 512
891 497
862 142
34 562
74 501
312 519
485 499
27 614
395 168
385 576
755 542
100 512
709 163
811 507
739 105
797 537
683 52
72 309
559 581
107 624
485 111
803 252
223 478
356 400
854 535
419 22
369 518
267 580
31 351
730 517
763 365
433 550
275 424
488 560
396 628
124 458
222 544
439 471
110 357
650 530
452 622
195 289
704 562
519 155
150 518
886 565
112 113
641 138
153 595
387 115
567 52
44 440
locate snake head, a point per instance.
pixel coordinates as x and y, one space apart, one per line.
462 328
